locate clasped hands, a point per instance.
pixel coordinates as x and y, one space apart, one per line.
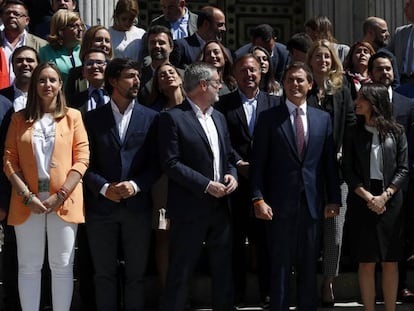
119 190
44 207
377 204
219 190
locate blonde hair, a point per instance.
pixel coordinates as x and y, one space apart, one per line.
61 19
335 75
33 109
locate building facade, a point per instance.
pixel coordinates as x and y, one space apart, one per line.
286 16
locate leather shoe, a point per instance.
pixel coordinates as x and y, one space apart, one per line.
405 295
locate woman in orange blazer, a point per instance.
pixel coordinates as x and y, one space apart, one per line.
46 155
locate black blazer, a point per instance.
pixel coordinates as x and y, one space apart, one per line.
79 101
187 159
356 159
342 113
6 110
232 108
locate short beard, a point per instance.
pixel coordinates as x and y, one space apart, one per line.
159 56
380 43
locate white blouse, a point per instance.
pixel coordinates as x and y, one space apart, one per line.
44 131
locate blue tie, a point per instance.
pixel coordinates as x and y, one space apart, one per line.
98 96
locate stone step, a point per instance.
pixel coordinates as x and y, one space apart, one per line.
345 287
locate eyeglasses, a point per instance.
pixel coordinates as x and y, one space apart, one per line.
14 14
97 62
75 26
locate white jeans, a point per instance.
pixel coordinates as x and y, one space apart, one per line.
31 239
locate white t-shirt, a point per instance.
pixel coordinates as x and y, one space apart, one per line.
127 43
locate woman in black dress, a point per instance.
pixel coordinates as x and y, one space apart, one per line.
375 167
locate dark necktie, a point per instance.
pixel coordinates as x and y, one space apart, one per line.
98 96
300 132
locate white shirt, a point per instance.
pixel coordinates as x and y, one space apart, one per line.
127 44
375 161
302 110
20 99
122 123
8 51
44 132
207 123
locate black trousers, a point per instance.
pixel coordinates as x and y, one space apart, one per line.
131 232
186 243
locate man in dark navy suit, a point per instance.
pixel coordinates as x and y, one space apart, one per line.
380 69
241 109
94 64
264 35
211 25
293 161
195 154
122 169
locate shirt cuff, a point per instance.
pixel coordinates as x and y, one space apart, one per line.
205 190
135 186
103 189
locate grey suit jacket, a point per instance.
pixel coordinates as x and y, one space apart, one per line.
192 22
398 44
34 41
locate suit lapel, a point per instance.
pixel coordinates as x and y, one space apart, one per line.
288 131
110 121
134 125
195 124
241 115
219 128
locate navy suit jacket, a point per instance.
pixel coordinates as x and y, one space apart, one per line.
8 92
187 159
113 161
232 107
403 110
278 173
280 58
187 50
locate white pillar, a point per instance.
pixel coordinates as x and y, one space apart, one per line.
97 11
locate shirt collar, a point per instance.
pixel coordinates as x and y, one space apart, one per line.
245 99
116 109
182 19
292 107
198 111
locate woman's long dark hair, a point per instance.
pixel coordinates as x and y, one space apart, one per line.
377 95
268 82
227 70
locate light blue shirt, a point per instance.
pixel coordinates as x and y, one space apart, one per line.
179 28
